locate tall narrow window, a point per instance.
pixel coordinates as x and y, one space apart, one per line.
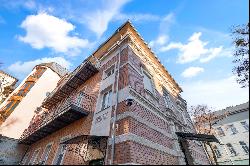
109 71
25 159
148 83
167 98
217 152
60 154
233 129
79 99
244 147
106 100
46 154
231 149
245 125
34 158
220 131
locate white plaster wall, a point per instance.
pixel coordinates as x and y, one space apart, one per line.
242 135
24 112
16 90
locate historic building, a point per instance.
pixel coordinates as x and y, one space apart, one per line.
18 109
233 133
119 106
7 84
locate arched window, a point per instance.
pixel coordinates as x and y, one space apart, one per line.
231 149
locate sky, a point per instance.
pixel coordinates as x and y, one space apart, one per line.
190 37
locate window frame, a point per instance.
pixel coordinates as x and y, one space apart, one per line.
245 126
104 97
33 160
43 160
231 149
221 132
233 129
243 146
57 151
217 152
111 68
150 77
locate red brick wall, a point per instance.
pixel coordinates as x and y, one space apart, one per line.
127 151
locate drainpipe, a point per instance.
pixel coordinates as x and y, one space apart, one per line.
116 107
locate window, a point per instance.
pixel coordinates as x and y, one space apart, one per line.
245 125
39 72
34 158
220 131
25 89
10 107
231 149
24 161
46 154
166 98
233 129
217 152
79 99
61 152
244 147
148 84
106 100
109 71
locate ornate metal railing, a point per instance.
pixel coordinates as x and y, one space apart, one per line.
48 116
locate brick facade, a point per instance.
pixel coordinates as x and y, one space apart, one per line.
144 133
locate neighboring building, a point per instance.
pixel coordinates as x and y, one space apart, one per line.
120 106
18 109
7 84
233 132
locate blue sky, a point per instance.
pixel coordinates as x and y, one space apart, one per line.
190 37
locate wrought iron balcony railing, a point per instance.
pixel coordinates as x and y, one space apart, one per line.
52 120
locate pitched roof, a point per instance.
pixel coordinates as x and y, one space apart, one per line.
1 71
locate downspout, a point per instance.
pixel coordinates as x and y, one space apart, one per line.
116 107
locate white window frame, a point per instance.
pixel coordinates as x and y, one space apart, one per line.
57 151
111 68
150 77
245 126
43 155
232 128
106 104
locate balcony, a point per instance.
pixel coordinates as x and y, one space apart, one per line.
50 121
75 79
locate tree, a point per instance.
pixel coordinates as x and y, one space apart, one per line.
204 119
240 35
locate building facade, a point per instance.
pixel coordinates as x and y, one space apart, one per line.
7 83
233 133
120 106
18 109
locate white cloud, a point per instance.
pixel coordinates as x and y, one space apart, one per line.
43 30
21 69
98 20
159 41
192 71
195 49
219 93
164 27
